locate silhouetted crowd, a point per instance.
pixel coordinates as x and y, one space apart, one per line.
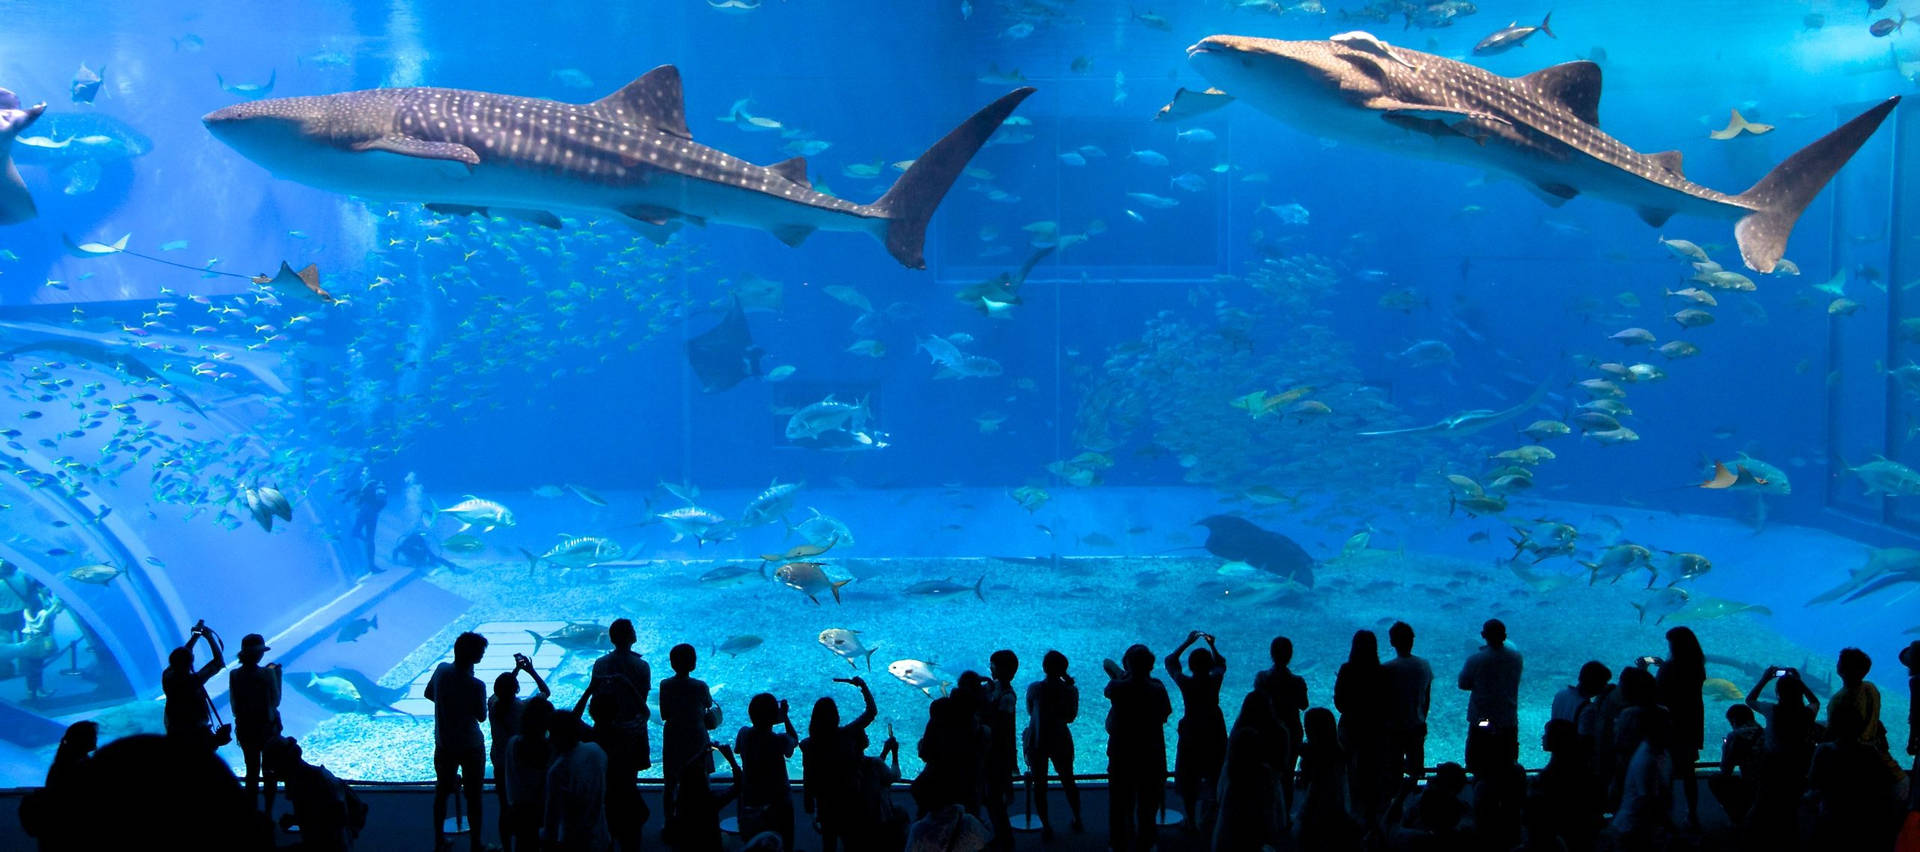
1285 775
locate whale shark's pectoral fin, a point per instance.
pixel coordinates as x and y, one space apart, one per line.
1554 194
407 146
542 218
648 214
1436 112
1653 215
793 235
654 100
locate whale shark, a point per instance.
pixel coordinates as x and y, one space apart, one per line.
16 204
629 154
1543 128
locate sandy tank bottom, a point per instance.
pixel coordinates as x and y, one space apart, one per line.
1088 608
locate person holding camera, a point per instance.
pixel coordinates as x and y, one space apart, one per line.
1053 703
830 768
1783 768
687 714
504 712
254 692
1201 747
189 712
766 795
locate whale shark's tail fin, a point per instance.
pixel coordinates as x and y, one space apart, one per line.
910 203
1780 197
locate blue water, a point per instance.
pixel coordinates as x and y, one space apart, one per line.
493 358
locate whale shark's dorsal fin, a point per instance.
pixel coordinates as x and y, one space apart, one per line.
794 170
653 100
1575 85
1669 160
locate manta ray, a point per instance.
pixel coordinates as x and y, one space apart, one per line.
724 356
1543 128
628 155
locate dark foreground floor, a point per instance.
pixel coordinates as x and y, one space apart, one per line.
399 816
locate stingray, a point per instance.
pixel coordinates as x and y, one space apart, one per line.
724 356
1235 538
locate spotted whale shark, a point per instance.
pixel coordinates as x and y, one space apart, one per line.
628 154
1543 128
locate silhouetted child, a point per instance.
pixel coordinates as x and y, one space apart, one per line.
1053 703
1646 793
528 754
949 829
1910 657
686 706
1740 753
1324 821
1565 801
1136 751
459 751
504 711
1288 693
999 704
253 691
1858 698
47 813
330 815
766 795
697 805
1202 744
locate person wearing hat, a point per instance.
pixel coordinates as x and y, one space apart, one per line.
254 691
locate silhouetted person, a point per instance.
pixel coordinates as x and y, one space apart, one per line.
459 752
1136 751
952 752
1491 678
1359 693
949 828
1436 814
1579 703
1641 694
576 812
1053 703
1325 821
617 698
368 501
1257 748
36 645
1680 680
146 791
48 813
253 691
1409 695
1772 822
1646 796
1202 743
830 764
1857 698
1288 693
877 825
766 793
528 753
1910 657
330 815
1850 782
1740 754
999 705
1564 795
686 707
504 711
1499 796
695 815
189 712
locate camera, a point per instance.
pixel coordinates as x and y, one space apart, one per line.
1781 671
222 735
522 661
1484 723
1647 661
